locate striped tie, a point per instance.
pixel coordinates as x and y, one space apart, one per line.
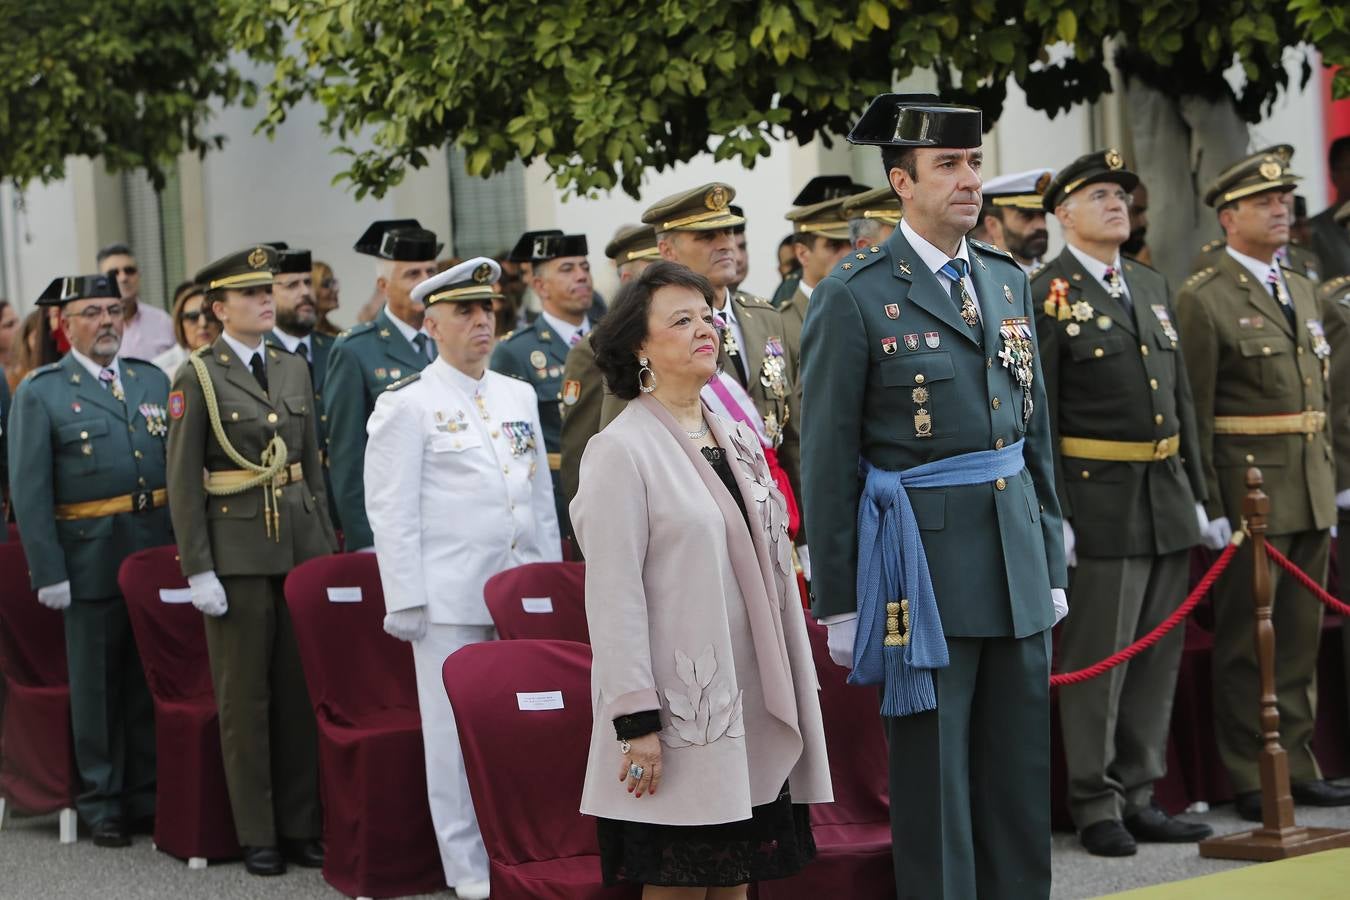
955 269
110 383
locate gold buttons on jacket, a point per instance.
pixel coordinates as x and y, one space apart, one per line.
1265 351
1099 352
1158 419
234 416
998 444
224 509
1143 349
1300 351
1086 474
1001 484
271 417
137 454
996 403
1251 458
1153 383
918 378
1307 380
84 435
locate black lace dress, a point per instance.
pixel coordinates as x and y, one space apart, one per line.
774 842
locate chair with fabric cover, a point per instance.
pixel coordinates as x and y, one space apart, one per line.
372 770
37 753
539 846
853 834
544 601
193 820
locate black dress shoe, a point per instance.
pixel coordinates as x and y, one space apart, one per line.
1248 805
110 833
1107 838
143 825
1320 793
264 861
306 852
1154 826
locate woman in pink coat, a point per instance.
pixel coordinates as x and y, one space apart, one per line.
707 736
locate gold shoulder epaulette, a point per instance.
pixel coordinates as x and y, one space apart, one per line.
854 262
404 382
1200 277
1037 272
988 248
1213 245
1338 285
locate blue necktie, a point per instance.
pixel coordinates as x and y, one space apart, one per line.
956 269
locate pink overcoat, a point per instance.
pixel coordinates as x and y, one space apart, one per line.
692 614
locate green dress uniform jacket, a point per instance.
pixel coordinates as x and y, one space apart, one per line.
1117 375
1306 261
318 372
1334 296
74 442
537 356
361 363
1245 359
226 533
1331 241
584 393
994 554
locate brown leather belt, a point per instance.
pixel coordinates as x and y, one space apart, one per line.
1120 451
228 478
140 501
1310 422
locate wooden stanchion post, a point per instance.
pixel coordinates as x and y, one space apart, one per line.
1279 837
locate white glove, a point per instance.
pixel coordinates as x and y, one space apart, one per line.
1202 517
1343 499
55 596
1061 603
1070 557
839 639
370 549
804 557
208 594
407 624
1217 533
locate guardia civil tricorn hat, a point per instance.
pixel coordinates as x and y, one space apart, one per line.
918 120
78 287
404 240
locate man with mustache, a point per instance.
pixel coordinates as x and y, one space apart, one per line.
1013 217
369 357
1136 246
458 489
560 276
1130 487
87 449
296 331
922 352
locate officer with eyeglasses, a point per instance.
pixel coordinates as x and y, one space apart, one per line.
88 435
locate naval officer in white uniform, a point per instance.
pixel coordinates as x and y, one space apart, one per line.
457 489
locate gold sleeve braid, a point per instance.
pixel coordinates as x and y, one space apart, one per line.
271 463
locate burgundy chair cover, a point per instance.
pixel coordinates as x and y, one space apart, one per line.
37 755
853 834
192 802
372 770
562 584
539 846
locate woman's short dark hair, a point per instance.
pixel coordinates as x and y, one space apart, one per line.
623 329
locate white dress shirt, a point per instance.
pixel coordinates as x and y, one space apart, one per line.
1097 269
245 352
935 259
290 341
94 368
564 330
409 333
1259 270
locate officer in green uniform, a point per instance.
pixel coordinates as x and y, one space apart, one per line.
87 446
923 351
632 249
294 332
1335 299
560 277
1331 240
1303 260
694 228
369 357
872 217
243 413
1129 483
820 239
1258 360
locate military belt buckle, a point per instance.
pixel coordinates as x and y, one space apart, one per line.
142 501
1162 449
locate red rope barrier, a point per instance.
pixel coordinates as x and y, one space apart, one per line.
1172 621
1307 581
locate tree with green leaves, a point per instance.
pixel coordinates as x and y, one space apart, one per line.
131 81
606 89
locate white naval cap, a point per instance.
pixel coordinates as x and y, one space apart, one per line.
1023 190
473 279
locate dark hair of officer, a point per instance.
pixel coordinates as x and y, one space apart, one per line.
623 329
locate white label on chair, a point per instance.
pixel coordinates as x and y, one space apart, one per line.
537 604
536 700
344 595
175 595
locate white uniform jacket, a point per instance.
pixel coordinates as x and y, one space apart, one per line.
457 490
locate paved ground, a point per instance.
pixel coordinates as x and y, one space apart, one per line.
34 866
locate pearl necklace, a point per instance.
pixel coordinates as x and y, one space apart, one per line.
700 434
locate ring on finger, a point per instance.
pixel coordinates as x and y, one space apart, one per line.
635 772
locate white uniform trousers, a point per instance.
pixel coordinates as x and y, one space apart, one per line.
462 853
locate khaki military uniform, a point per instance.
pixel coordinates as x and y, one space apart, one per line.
1305 261
1335 299
1261 394
252 539
1128 476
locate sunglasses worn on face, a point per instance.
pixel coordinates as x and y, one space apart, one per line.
125 270
193 316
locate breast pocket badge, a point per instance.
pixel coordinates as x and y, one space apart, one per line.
453 424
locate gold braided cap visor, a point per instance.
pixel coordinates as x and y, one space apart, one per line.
242 280
709 220
1023 201
834 230
646 253
1283 183
474 292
